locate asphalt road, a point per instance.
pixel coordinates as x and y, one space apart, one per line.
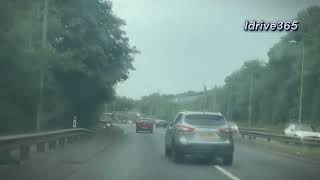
140 156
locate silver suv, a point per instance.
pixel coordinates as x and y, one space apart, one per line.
199 133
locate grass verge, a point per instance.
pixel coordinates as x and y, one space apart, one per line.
300 151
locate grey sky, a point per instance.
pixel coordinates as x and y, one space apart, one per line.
186 43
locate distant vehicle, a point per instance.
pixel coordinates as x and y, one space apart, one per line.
130 122
144 124
301 130
124 121
234 127
198 133
108 125
161 124
153 121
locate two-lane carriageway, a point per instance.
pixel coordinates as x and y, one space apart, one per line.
140 156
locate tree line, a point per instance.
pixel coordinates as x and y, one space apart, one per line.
275 83
86 53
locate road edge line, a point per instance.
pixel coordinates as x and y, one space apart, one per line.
225 172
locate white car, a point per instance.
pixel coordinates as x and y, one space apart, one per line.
234 127
301 131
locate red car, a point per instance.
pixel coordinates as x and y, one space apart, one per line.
144 124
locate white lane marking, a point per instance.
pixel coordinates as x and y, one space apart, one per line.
225 172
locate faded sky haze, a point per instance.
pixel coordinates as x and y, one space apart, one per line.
187 43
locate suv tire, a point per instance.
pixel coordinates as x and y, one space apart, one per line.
176 155
227 159
167 151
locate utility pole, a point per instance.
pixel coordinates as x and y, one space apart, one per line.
45 23
250 102
42 65
301 83
205 98
301 79
228 106
214 99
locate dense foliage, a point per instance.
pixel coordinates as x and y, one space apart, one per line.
276 83
86 54
120 104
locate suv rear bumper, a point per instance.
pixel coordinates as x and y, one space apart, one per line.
218 149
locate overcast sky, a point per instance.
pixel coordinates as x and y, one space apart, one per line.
187 43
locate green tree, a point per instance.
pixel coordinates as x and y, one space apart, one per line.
87 54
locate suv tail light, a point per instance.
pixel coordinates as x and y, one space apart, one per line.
185 128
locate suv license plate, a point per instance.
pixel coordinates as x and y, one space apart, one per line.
206 135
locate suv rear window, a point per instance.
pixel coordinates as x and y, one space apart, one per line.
205 120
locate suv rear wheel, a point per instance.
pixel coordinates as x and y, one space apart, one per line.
176 155
227 159
167 151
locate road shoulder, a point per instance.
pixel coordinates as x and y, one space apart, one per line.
303 153
61 162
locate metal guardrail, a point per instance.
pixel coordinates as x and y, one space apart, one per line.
253 133
255 129
20 146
